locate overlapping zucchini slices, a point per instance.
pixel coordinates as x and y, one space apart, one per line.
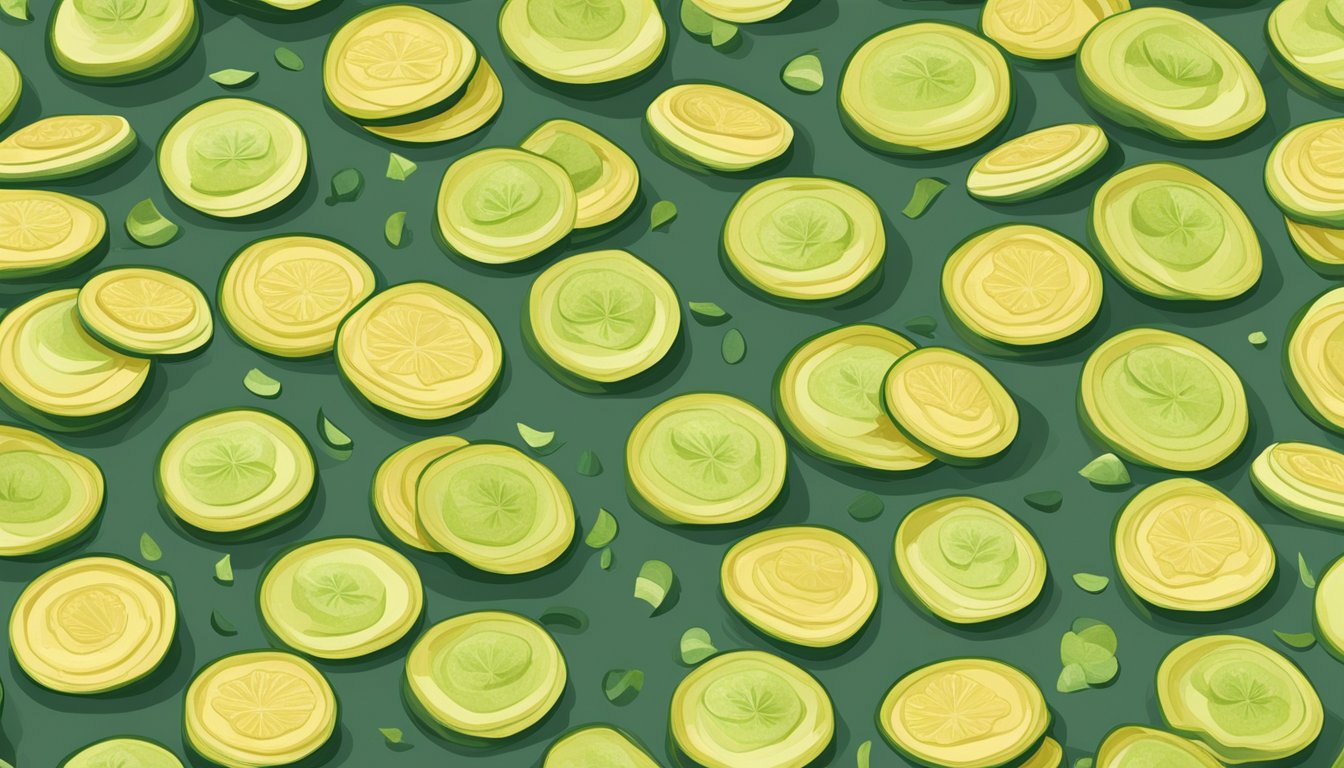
48 495
42 231
705 126
64 146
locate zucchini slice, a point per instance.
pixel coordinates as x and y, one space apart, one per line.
950 405
1304 175
64 146
1132 746
480 102
605 178
1304 480
1035 163
1328 610
704 125
145 311
501 205
394 487
50 495
42 231
597 745
599 42
123 751
121 41
1313 362
1045 30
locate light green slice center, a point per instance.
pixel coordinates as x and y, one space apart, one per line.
339 598
494 506
230 467
605 308
804 233
750 709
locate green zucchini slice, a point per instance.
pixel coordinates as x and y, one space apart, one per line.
1308 36
1313 362
950 405
145 311
598 42
597 746
11 86
42 231
1304 173
715 127
501 205
1044 31
121 41
1136 746
1304 480
1329 609
64 146
123 751
742 11
394 487
480 102
48 495
1035 163
1321 247
604 177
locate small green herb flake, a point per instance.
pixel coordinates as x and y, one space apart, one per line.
1071 679
654 582
622 685
804 73
288 59
603 531
17 9
722 33
233 78
1297 640
863 756
1091 582
149 548
535 438
565 617
1046 501
604 560
707 310
224 569
734 346
168 579
391 735
1304 572
921 198
395 228
1258 338
696 646
1106 469
695 20
1087 652
924 325
346 185
260 384
399 168
331 434
663 212
148 227
222 625
1083 762
866 506
589 464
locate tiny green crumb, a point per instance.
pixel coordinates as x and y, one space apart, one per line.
391 735
288 59
589 464
803 73
866 506
696 646
1106 469
621 686
1045 501
1304 572
398 167
734 346
707 310
233 78
535 438
654 582
331 434
604 560
662 213
603 531
346 185
1258 338
1091 582
224 569
924 325
395 228
149 548
18 9
261 385
148 227
865 751
220 623
921 198
1300 641
565 618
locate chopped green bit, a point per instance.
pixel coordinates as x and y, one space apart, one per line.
288 59
722 33
622 685
696 646
1087 652
1071 678
1299 640
331 434
399 168
654 582
233 78
604 560
18 9
564 617
866 506
148 227
1046 501
149 548
1106 469
1304 572
926 191
707 309
865 750
222 625
695 20
663 212
260 384
394 228
345 186
1091 582
392 735
804 73
168 579
1258 338
224 569
589 464
535 438
734 346
603 531
1083 762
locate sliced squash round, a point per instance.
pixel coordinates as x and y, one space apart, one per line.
44 231
1321 247
484 676
501 205
1304 173
287 295
234 471
394 487
419 351
92 625
1047 29
123 752
604 177
64 146
1313 361
1035 163
1329 608
743 11
11 86
1020 285
1137 746
145 311
891 102
705 459
121 41
598 42
1308 36
804 238
1164 400
1304 480
480 102
259 708
703 125
48 495
597 746
950 405
1183 545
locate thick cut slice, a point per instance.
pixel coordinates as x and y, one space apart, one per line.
123 752
1044 29
145 311
711 126
1308 36
501 205
1304 480
1313 359
1321 247
583 42
604 177
742 11
1304 173
597 746
121 39
64 146
1329 609
480 102
1137 746
48 495
11 86
44 231
1035 163
394 487
950 405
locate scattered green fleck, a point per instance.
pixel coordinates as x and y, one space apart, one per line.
1071 679
224 569
149 548
734 346
865 749
1258 338
604 560
866 506
392 735
622 685
399 168
1091 582
1298 640
222 625
233 78
695 20
18 9
722 33
663 212
1304 572
331 434
924 325
564 617
603 531
260 384
926 191
535 438
1083 762
148 227
288 59
394 228
707 310
589 464
804 73
654 582
1087 652
696 646
1106 469
1046 501
345 186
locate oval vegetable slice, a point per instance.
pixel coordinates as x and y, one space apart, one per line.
1303 175
233 157
480 102
120 41
743 11
123 751
1164 72
966 560
484 676
11 86
286 295
502 205
804 238
1047 29
1136 746
48 495
705 459
704 125
802 584
1304 480
394 487
44 231
604 177
259 708
597 745
64 146
1240 699
419 351
1020 285
751 708
926 715
1329 609
598 42
1034 163
1170 233
890 102
828 396
93 624
1162 399
236 470
950 405
1183 545
1307 36
1313 363
603 316
1321 247
145 311
340 598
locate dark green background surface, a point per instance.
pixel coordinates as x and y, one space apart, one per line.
39 726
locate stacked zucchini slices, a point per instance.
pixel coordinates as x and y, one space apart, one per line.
1308 186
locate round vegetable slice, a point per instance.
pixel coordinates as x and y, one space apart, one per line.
1305 176
804 238
603 316
484 676
1170 233
1020 285
1304 480
123 752
502 205
64 146
598 42
1162 71
44 231
1313 363
802 584
743 11
1244 701
705 459
93 624
751 708
966 560
1162 399
891 102
1035 163
604 177
419 351
396 64
120 41
480 102
51 365
11 86
286 295
233 157
1321 247
828 396
1329 609
145 311
394 487
340 598
964 713
1307 36
1047 30
704 125
1183 545
48 495
234 471
496 508
259 708
950 405
597 745
1049 755
1136 746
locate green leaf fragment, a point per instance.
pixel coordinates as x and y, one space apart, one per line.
1304 572
663 212
224 569
696 646
1083 762
921 198
707 309
695 20
392 735
346 186
331 434
221 624
866 506
603 531
654 582
288 59
924 325
1106 469
394 228
604 560
1091 582
589 464
622 685
535 438
1298 640
17 9
804 73
399 168
1087 652
168 579
260 384
148 227
149 548
865 751
565 617
1046 501
1258 338
722 33
233 78
1071 679
734 346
